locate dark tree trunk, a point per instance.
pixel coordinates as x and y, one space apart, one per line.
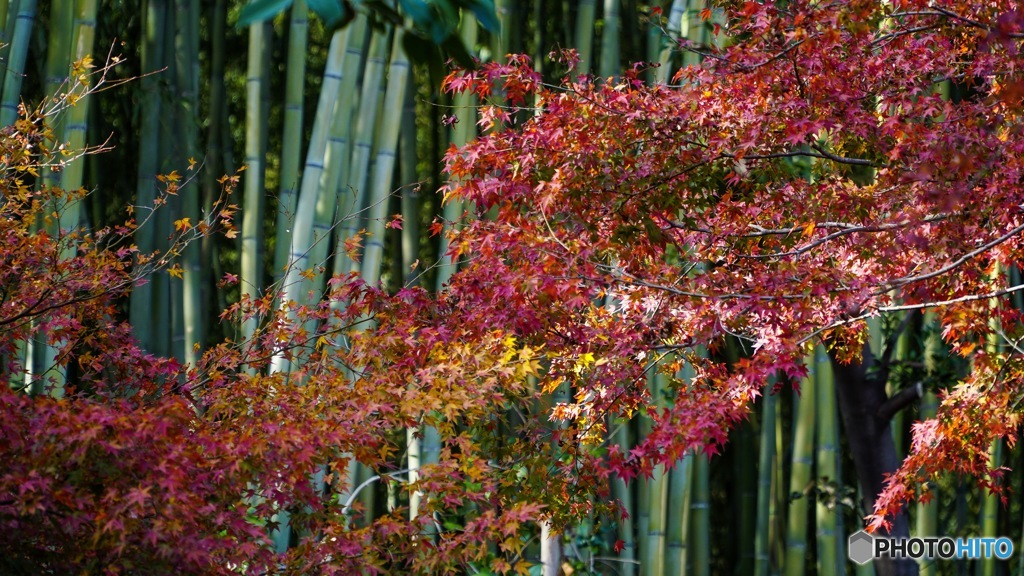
861 395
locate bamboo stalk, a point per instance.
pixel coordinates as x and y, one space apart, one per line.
744 456
255 151
214 169
163 301
765 497
70 29
8 17
353 201
583 39
990 502
295 287
623 494
679 492
927 521
657 499
928 512
610 40
11 97
800 477
700 516
384 168
827 520
678 16
140 312
502 44
779 504
58 61
187 80
410 255
291 142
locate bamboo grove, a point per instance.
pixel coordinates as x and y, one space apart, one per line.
308 177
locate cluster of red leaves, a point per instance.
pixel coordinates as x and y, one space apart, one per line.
806 177
801 180
140 465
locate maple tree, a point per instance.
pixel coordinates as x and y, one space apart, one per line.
806 177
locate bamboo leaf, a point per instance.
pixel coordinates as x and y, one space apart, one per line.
418 10
260 10
485 14
330 11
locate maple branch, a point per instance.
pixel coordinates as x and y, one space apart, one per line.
844 229
821 155
355 492
843 159
773 58
899 401
904 32
904 307
956 263
939 11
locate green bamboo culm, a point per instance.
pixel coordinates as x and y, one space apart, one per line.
172 155
765 497
295 287
341 209
680 491
291 141
827 510
8 17
700 516
384 166
25 21
255 154
622 493
140 311
214 164
187 109
902 354
801 475
927 517
502 43
927 521
411 206
53 376
58 62
677 17
691 27
583 39
657 498
990 502
610 55
353 197
411 190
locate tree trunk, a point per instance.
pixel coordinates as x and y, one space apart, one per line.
861 394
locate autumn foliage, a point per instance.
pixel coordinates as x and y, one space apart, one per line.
813 174
807 177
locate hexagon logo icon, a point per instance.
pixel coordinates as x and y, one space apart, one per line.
860 546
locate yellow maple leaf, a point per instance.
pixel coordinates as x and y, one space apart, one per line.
183 224
809 229
551 385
